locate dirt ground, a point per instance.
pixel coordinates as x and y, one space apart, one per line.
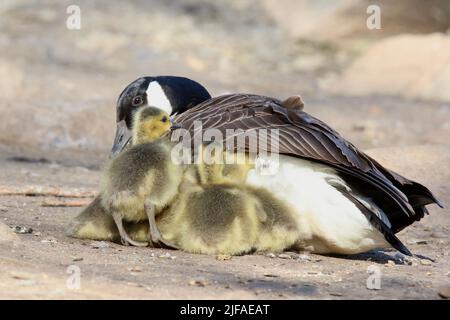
59 89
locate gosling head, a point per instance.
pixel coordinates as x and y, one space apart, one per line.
150 124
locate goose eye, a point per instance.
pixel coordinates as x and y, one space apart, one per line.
164 119
137 101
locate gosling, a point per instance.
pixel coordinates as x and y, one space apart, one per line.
95 223
141 181
216 213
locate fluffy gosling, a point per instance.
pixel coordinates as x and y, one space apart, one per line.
141 181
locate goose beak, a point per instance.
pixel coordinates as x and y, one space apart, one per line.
122 138
174 126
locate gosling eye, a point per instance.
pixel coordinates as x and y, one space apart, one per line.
164 119
137 101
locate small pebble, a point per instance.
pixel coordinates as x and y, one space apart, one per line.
391 263
134 284
270 275
271 255
417 241
3 208
284 256
223 257
49 240
304 258
99 244
425 262
77 259
167 256
259 291
134 269
317 259
404 259
198 283
336 294
19 277
22 230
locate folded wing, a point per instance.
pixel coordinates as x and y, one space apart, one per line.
302 135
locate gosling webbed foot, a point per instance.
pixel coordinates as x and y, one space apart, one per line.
155 235
160 242
127 241
124 237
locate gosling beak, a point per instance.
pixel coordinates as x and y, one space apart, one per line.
122 138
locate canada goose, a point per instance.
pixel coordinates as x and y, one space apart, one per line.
346 201
350 203
140 182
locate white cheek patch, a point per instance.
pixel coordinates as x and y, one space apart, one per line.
157 98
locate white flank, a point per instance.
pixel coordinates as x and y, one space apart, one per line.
157 98
328 221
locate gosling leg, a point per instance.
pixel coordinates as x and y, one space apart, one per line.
125 238
155 235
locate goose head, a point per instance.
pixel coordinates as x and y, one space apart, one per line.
174 95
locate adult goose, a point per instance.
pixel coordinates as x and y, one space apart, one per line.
346 202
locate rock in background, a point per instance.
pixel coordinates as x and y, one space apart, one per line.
410 66
335 20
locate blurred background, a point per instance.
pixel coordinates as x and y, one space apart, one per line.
385 87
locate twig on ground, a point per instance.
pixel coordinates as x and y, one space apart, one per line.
64 203
33 191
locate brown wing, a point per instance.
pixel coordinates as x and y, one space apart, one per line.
302 135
